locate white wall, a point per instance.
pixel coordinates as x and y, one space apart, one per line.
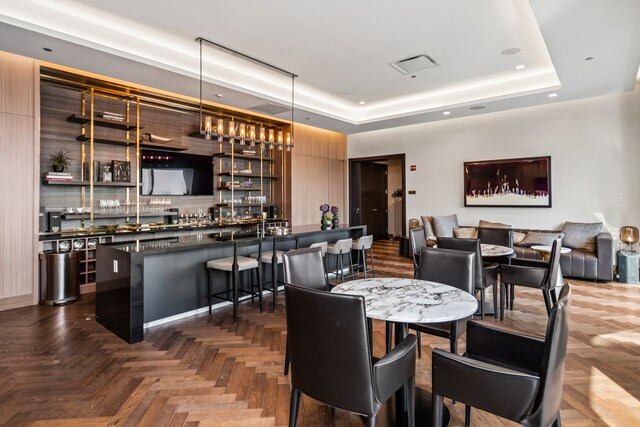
594 146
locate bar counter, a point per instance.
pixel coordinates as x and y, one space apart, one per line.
146 283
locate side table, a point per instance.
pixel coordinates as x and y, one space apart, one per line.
628 266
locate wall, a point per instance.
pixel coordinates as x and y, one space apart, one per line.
19 145
594 146
318 174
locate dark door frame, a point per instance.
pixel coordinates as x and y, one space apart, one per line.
353 189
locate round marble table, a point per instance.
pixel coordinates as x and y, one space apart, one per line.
495 250
405 301
545 251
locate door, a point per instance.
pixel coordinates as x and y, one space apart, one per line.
372 207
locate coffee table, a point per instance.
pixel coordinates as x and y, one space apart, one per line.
545 251
405 301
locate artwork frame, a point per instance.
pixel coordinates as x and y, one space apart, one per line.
510 183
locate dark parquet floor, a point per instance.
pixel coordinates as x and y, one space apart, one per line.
58 367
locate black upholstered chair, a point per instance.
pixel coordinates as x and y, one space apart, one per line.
418 241
330 358
496 236
507 374
453 268
485 274
532 273
304 267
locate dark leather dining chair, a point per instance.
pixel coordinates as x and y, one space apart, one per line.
514 376
496 236
330 359
303 267
453 268
418 241
485 274
532 273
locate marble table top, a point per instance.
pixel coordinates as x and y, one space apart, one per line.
495 250
410 300
547 249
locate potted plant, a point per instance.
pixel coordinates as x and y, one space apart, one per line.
60 160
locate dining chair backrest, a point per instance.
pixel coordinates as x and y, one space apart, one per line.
329 348
547 404
496 236
451 267
553 271
363 242
305 267
341 246
321 245
418 241
468 245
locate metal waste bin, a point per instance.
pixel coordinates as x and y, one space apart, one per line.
59 278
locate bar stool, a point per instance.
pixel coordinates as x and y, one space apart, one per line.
323 250
268 256
234 265
361 245
340 249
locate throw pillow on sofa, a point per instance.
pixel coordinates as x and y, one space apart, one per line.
488 224
428 228
580 235
465 233
539 238
443 225
518 237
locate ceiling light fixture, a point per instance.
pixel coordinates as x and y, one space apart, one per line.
519 67
552 95
47 49
477 107
446 113
362 102
589 58
511 51
241 128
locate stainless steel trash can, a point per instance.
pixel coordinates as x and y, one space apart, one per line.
59 278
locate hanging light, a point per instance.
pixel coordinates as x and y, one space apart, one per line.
232 131
207 127
220 130
241 131
252 135
262 136
280 142
287 142
271 139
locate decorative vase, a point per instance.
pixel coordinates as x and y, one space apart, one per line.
58 168
323 222
335 221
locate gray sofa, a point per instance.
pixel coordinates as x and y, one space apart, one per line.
596 265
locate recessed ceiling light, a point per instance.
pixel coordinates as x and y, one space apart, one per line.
219 95
307 118
413 77
478 107
47 49
362 102
519 67
589 58
446 113
341 94
552 95
510 51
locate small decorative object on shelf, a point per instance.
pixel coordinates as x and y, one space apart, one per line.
121 171
105 173
325 221
335 220
60 160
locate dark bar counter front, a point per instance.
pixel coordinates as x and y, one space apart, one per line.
144 283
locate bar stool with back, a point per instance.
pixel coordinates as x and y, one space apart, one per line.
340 249
361 245
234 265
273 258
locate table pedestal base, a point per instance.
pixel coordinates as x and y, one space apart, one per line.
387 416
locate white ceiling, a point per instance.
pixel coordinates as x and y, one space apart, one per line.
338 47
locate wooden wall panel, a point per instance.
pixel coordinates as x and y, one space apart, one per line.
16 205
16 84
19 145
317 174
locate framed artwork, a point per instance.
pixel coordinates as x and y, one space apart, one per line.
522 182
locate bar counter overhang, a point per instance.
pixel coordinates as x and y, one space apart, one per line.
143 283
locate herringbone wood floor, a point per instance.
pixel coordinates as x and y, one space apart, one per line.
58 367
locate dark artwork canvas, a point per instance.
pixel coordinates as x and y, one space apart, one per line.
522 182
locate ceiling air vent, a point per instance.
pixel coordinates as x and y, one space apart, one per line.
415 64
270 108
